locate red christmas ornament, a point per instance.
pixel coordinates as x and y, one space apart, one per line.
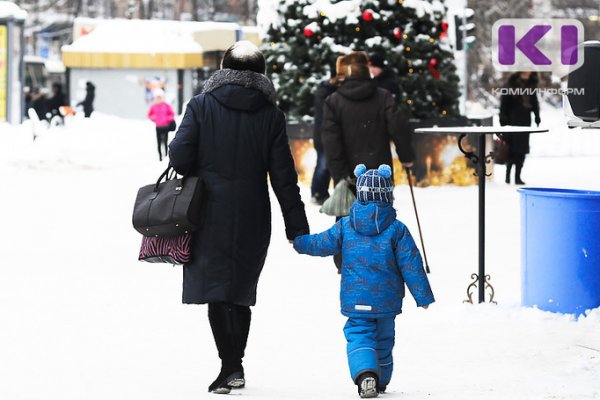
368 15
397 33
431 66
308 32
443 35
444 26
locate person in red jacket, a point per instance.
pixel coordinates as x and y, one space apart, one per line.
163 116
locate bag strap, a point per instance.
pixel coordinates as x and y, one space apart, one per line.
165 174
169 174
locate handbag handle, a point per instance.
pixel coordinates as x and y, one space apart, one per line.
168 174
165 174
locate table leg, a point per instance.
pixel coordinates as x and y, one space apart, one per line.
481 174
481 280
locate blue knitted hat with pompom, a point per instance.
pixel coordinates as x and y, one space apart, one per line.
374 184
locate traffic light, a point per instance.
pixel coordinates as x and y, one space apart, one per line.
464 28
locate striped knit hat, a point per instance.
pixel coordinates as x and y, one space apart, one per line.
375 184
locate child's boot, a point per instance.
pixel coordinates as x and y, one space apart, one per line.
367 385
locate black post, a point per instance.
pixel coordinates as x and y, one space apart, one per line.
481 175
179 91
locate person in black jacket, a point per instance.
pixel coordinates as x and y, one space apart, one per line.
516 109
360 120
233 136
88 102
321 177
384 76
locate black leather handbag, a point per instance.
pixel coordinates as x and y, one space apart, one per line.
170 207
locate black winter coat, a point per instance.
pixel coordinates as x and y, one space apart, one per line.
88 101
322 92
387 80
516 109
360 120
233 135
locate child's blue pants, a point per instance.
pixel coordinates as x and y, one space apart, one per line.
370 345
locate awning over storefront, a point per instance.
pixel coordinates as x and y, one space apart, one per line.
134 44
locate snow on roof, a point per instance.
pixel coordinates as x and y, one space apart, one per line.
142 36
135 36
9 9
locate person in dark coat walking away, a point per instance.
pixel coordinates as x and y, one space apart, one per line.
360 120
384 76
321 177
380 257
516 109
161 113
88 102
233 136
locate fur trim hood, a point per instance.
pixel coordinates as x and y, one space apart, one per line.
247 79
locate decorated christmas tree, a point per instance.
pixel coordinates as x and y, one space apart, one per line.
302 46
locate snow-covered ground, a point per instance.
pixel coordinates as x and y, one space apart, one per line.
81 318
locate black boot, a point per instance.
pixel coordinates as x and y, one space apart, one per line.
518 168
508 168
367 385
230 325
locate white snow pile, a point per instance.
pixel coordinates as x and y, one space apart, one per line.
99 142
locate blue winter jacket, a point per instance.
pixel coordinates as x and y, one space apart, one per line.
379 257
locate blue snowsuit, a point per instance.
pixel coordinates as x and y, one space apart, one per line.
379 257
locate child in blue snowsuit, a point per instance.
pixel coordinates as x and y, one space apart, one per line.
379 257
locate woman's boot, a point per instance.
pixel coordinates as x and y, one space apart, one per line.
508 168
518 168
230 325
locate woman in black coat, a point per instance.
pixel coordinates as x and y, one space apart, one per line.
233 136
516 109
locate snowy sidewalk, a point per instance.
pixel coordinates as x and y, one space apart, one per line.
81 318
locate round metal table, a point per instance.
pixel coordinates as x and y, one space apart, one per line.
481 280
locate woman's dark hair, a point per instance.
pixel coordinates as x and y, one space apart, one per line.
244 56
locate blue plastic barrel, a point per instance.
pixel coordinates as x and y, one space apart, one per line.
560 239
